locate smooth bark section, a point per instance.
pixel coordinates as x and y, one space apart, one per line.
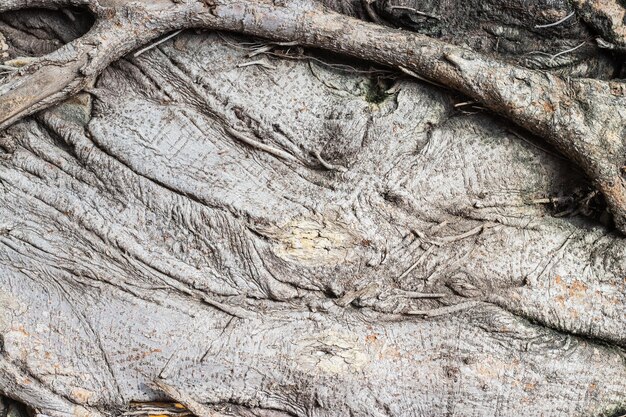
581 117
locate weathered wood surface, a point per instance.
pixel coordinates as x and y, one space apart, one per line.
144 235
581 117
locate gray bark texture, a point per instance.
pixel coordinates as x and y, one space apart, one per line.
232 225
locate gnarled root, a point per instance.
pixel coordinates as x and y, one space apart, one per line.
583 118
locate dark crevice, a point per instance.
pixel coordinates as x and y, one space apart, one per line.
595 340
136 72
13 408
620 411
585 202
503 30
58 140
377 89
36 32
616 56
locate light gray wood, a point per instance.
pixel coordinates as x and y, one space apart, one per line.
145 244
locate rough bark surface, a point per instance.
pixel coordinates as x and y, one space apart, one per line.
583 118
289 238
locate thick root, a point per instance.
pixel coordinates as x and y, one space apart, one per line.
581 118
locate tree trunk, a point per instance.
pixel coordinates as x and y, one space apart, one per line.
251 228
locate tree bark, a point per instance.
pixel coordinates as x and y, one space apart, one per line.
258 235
574 115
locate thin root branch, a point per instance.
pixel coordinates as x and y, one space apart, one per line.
157 43
421 259
419 77
567 51
419 12
441 311
199 410
261 146
328 165
259 62
558 22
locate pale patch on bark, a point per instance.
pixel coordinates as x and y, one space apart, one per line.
313 242
333 352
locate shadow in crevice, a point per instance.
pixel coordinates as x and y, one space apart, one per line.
619 412
37 32
12 408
